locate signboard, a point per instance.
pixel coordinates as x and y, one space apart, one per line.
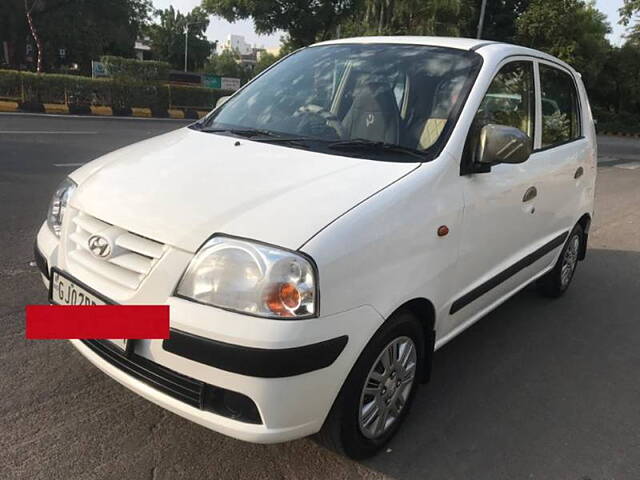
228 83
211 81
215 81
98 70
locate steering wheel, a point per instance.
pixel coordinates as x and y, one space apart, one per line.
318 121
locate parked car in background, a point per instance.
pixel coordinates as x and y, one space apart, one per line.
320 234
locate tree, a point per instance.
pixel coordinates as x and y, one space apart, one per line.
81 29
305 22
500 19
630 11
619 83
265 61
28 9
405 17
571 30
227 64
168 37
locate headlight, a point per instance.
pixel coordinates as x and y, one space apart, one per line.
252 278
58 205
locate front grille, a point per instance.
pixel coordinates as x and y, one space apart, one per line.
167 381
186 389
132 258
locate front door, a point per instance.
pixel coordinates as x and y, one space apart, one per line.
500 222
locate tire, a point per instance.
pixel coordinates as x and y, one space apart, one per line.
557 281
344 430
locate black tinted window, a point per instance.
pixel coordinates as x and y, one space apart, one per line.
560 112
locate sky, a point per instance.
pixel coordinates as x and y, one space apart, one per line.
219 29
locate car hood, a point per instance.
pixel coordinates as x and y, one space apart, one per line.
180 188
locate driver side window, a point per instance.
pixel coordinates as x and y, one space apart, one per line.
510 99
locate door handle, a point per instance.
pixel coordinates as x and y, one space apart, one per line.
579 173
530 194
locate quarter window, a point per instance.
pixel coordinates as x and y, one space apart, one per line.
560 117
510 98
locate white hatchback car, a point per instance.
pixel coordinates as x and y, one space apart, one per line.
322 232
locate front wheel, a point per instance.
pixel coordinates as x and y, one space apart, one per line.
557 281
379 390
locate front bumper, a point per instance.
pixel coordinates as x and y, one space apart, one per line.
289 407
291 371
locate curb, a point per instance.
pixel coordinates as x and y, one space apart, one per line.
620 134
137 112
8 106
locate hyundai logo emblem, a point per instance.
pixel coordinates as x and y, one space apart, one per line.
99 246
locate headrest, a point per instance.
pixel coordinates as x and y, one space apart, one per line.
374 96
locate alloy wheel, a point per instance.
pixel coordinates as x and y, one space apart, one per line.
387 387
570 260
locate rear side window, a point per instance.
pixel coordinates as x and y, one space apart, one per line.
510 98
560 112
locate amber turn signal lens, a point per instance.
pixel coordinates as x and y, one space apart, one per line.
289 296
284 300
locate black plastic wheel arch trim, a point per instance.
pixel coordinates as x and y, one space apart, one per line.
255 362
41 261
503 276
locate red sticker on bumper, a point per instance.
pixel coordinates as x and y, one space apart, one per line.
97 322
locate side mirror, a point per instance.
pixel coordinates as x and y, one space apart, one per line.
222 100
502 144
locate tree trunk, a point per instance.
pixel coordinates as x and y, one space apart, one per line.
34 33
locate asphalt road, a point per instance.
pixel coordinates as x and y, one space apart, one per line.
539 389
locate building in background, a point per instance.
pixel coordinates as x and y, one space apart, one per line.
247 55
275 51
238 44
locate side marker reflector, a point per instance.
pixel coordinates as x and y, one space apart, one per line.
443 230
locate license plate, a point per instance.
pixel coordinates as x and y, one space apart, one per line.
64 290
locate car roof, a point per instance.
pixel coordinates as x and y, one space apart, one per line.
484 47
451 42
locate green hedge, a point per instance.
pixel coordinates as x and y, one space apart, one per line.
146 71
196 96
616 122
119 93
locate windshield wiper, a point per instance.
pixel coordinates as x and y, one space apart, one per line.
364 145
241 132
258 135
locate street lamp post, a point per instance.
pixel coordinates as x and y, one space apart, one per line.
481 20
186 46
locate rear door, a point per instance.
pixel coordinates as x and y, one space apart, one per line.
562 151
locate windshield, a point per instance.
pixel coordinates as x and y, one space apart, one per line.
391 95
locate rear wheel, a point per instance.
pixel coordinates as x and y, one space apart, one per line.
557 281
378 392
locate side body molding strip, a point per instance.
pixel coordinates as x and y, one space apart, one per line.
493 282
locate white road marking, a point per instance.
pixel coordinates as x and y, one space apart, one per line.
46 132
68 164
629 166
